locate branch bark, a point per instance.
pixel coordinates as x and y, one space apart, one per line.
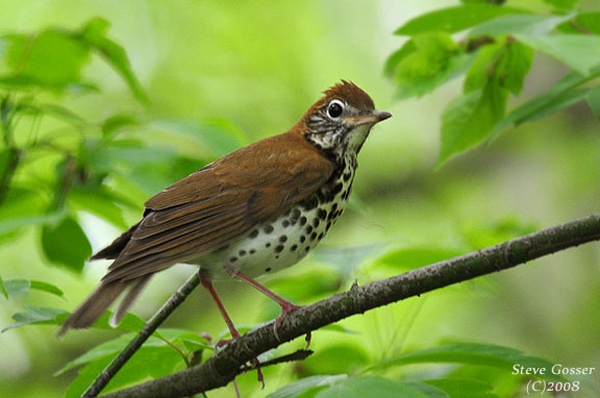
228 362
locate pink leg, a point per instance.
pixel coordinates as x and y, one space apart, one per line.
207 284
286 306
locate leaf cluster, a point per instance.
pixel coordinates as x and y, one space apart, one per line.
55 164
56 167
492 45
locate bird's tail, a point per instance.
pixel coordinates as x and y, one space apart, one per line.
99 301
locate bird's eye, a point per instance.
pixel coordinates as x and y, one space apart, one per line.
335 109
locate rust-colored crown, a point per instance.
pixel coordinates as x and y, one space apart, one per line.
340 121
348 92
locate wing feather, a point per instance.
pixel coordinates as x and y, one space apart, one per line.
220 203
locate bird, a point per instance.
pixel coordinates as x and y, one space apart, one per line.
254 211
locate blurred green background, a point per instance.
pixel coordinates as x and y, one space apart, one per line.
259 65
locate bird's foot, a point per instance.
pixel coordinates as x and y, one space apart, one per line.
286 309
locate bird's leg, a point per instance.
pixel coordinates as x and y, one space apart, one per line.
286 306
207 284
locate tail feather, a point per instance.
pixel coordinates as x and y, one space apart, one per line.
108 291
135 290
94 306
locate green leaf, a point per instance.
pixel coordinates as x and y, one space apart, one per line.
593 100
573 50
397 57
115 123
469 120
436 59
46 287
464 388
561 95
541 106
98 202
149 362
104 350
507 61
533 25
36 315
53 59
85 377
371 386
503 358
21 287
24 208
479 71
301 387
20 82
457 125
155 359
514 65
17 287
338 358
94 34
193 342
454 19
18 223
65 243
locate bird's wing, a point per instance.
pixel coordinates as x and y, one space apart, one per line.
221 203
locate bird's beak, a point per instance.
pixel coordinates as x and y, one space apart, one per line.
373 118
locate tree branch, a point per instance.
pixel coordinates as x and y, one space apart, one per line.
226 363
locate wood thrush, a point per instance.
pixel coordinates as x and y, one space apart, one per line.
255 211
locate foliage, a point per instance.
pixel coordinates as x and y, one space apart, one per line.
89 160
56 166
87 156
496 361
494 52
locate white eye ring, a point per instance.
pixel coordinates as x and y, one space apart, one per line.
335 109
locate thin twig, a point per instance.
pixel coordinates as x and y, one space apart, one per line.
298 355
157 319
